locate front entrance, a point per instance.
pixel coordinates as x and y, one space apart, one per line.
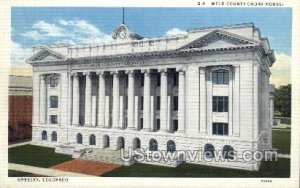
105 141
120 143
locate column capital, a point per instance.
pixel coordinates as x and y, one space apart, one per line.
87 73
114 72
146 71
74 74
129 72
100 73
162 70
181 69
43 76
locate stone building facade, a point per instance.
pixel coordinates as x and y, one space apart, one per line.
207 90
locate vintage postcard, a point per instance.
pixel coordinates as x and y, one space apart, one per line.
197 93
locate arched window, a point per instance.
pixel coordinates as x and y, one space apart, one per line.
228 152
120 142
153 145
54 136
220 77
171 147
44 135
105 141
92 139
136 143
209 151
79 138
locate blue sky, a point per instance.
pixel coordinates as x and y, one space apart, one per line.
32 26
152 22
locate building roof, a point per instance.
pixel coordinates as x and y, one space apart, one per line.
20 85
222 38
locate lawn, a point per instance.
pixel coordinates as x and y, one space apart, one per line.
282 141
36 156
280 168
284 120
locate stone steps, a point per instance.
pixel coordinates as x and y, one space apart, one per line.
105 155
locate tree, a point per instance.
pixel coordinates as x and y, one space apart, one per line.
282 101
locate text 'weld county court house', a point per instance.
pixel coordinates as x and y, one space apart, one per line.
207 89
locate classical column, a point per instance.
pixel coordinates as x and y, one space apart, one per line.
88 100
107 115
116 100
181 100
152 108
136 112
101 99
130 102
75 116
147 106
43 99
203 113
121 113
236 101
164 100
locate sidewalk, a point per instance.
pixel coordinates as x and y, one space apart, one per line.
287 156
19 144
44 171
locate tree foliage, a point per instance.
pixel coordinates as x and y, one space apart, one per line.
282 101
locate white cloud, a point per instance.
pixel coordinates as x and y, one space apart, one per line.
67 31
281 70
50 30
175 31
19 54
34 35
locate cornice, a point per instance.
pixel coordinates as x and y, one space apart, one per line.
156 54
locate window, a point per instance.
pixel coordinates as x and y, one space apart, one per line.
209 151
141 123
220 104
126 102
175 103
158 80
158 103
153 145
126 81
228 152
141 103
142 80
171 147
79 138
53 82
53 119
175 79
44 135
220 128
175 125
125 126
53 101
92 139
157 124
220 76
54 136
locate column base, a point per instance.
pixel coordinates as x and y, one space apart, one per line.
131 128
163 131
180 132
146 130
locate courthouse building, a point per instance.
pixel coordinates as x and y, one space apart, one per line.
207 89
